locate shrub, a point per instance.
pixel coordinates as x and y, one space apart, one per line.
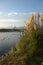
11 51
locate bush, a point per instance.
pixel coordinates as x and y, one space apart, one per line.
31 45
11 51
27 42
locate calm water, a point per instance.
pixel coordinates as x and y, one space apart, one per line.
8 40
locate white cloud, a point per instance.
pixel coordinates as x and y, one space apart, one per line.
4 26
1 13
7 23
9 14
12 13
9 20
16 13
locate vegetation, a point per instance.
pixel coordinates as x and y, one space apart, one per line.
29 49
31 44
10 30
11 52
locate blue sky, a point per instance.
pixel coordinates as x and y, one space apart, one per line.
15 12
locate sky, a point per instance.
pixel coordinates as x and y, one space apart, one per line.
13 13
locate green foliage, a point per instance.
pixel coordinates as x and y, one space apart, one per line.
27 42
38 55
11 52
31 44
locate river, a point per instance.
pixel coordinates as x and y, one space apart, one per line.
8 40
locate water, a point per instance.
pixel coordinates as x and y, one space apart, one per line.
8 40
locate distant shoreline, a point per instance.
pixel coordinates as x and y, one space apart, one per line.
11 30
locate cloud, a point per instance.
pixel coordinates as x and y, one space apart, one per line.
8 23
23 13
9 20
4 26
16 13
9 14
12 13
1 13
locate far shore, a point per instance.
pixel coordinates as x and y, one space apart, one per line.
11 30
